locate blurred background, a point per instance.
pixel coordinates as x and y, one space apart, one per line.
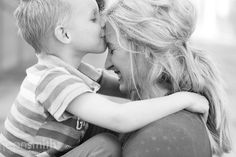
215 33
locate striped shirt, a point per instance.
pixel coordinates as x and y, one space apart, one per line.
38 123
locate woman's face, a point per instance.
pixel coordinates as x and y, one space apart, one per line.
118 60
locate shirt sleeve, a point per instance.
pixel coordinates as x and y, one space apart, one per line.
57 89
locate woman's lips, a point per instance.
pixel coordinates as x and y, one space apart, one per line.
118 74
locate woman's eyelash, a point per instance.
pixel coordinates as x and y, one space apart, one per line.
112 51
94 19
111 48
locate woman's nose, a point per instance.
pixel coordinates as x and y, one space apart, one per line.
108 63
102 22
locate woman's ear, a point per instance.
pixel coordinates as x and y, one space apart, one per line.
62 34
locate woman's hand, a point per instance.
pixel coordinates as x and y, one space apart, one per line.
198 104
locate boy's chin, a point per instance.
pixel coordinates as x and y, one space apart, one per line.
99 50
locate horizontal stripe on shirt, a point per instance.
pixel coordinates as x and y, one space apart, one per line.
62 91
22 126
7 153
15 148
51 80
28 86
29 114
66 127
34 107
58 136
23 119
24 144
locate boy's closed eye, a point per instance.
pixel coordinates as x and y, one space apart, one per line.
95 15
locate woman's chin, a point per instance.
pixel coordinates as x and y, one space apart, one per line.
123 88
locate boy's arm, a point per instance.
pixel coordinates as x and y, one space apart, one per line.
109 83
131 116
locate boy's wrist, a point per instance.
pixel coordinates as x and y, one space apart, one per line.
185 98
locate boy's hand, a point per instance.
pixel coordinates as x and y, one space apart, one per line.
199 104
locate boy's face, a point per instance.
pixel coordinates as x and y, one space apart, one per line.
86 27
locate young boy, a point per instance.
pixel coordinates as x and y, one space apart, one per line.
56 102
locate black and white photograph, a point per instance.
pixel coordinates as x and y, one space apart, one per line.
117 78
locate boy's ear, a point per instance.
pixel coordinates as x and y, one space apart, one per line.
62 34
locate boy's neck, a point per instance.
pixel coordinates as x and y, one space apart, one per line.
68 56
73 59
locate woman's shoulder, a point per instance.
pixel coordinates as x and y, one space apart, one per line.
182 118
182 121
182 126
179 134
182 134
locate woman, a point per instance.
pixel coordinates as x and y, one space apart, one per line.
149 50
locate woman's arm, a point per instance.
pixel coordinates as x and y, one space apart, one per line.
131 116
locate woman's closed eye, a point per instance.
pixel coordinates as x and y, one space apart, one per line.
94 19
111 51
111 48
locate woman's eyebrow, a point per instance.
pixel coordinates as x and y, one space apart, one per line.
109 44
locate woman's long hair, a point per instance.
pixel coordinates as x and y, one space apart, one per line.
157 34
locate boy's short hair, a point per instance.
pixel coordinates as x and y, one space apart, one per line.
37 19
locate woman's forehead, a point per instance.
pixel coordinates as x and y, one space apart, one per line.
110 33
109 29
107 5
